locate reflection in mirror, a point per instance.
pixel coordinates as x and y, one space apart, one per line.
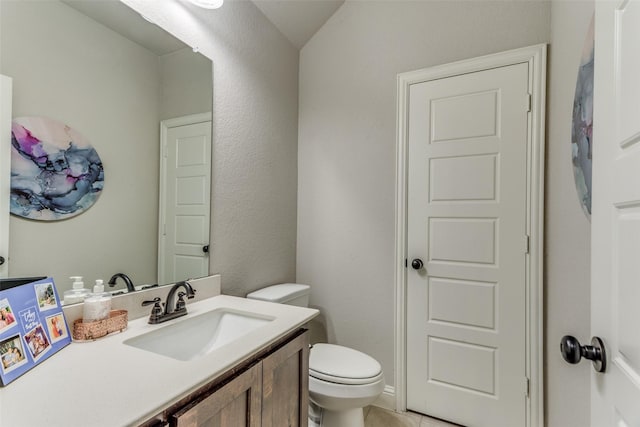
98 67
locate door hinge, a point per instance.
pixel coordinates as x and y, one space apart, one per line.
527 387
527 244
529 102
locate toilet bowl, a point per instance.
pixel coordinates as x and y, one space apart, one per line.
341 380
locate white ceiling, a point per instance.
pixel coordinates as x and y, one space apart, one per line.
298 20
127 22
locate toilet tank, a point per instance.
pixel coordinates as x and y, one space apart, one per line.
284 293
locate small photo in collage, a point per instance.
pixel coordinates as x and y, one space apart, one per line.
7 318
46 296
57 327
37 342
12 353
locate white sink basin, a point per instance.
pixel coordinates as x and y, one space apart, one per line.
193 337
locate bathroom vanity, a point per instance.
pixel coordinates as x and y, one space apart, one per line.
256 376
270 389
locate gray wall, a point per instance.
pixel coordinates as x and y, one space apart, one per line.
187 84
255 120
568 231
347 143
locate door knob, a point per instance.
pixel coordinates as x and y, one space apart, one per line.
417 264
573 352
205 249
1 260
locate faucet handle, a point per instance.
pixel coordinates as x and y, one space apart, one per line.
156 301
181 305
156 311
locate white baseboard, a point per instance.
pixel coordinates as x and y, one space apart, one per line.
387 399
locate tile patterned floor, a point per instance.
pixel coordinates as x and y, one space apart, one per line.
378 417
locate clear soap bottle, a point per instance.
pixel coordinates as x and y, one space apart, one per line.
77 293
97 305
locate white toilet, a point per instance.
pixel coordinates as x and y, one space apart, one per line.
341 380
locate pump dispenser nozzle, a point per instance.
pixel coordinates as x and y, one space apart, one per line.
77 282
98 288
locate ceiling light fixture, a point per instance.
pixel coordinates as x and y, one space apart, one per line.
208 4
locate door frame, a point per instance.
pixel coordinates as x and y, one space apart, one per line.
535 56
165 125
6 91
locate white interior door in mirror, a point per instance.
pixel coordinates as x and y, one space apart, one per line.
5 170
184 198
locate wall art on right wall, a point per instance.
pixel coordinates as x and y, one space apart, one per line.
582 126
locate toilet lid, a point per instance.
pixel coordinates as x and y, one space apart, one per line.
342 365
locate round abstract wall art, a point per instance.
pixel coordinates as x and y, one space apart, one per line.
55 173
582 127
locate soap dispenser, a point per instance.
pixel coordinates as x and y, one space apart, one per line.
77 293
97 305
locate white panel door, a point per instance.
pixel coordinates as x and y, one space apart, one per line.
466 352
5 171
615 247
186 203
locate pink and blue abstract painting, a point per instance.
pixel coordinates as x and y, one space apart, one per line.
55 172
582 127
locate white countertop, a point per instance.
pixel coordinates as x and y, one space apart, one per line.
107 383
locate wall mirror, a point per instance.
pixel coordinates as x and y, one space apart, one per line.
103 70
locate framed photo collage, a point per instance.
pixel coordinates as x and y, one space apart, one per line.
32 327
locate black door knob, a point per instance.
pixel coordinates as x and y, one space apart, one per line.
417 264
205 249
1 260
573 352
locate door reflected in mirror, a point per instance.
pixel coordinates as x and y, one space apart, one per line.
98 67
185 185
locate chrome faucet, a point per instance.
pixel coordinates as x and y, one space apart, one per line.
127 281
171 309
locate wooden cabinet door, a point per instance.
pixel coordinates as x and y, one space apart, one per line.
285 385
235 404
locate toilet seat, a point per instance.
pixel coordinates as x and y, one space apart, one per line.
343 365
